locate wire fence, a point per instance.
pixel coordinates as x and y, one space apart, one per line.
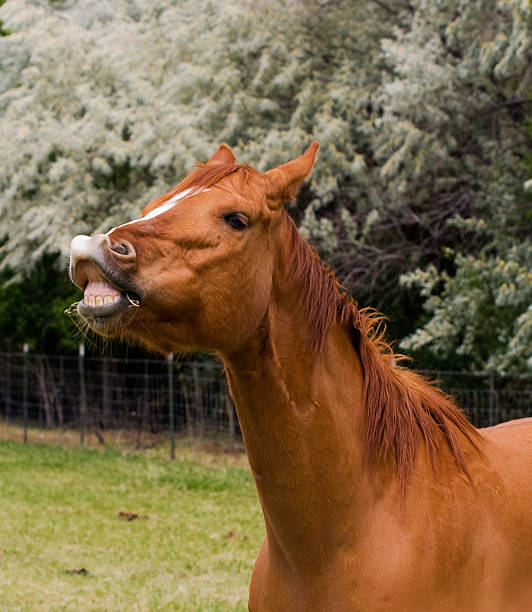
99 395
183 399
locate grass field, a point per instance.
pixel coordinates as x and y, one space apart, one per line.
64 545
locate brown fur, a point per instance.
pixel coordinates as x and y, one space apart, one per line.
204 177
400 405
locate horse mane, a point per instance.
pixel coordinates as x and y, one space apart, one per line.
399 404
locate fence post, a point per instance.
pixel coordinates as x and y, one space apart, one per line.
106 411
25 350
492 400
7 390
198 403
60 393
170 363
231 419
145 407
82 394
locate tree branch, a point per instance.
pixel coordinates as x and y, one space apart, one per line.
385 7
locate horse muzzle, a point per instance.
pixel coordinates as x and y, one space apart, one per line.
99 268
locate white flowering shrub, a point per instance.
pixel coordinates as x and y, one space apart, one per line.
419 107
483 316
453 139
107 104
462 72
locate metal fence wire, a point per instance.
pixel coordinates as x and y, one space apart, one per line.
188 399
99 394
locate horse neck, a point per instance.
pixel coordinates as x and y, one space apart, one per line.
301 419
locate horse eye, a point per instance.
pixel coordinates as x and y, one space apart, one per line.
237 221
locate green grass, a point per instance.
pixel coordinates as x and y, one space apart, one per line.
191 548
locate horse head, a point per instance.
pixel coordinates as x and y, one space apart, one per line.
195 270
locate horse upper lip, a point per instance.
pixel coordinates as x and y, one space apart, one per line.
93 250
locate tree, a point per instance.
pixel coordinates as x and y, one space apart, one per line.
454 148
419 107
145 89
32 310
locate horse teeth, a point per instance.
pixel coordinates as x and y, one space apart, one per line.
101 300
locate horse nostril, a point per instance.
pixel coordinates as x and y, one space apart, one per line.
120 248
123 248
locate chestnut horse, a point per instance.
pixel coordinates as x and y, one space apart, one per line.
377 493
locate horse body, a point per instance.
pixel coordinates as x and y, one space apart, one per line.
340 536
450 546
376 492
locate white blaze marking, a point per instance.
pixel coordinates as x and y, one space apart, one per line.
160 209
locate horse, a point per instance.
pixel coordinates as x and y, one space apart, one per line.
377 493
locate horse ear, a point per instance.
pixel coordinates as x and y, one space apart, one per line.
224 155
283 183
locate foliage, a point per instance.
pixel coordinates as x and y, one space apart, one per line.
94 137
419 107
2 31
32 309
468 136
483 316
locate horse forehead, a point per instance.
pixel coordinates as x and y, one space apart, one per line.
157 211
191 201
225 198
157 207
